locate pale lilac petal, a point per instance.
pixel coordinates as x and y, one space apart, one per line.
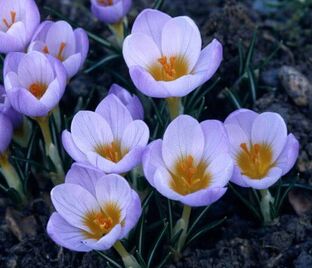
114 189
18 32
116 115
82 43
53 95
72 64
216 140
73 203
270 128
264 183
181 38
32 18
244 118
237 177
140 49
289 155
133 214
9 43
152 160
89 130
221 170
151 23
71 148
108 14
6 133
41 31
85 176
65 235
209 60
203 197
136 134
183 137
107 241
11 62
11 81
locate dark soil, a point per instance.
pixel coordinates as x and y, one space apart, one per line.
241 241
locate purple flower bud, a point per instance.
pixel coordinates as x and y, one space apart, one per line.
191 164
110 11
108 139
6 133
132 102
18 21
59 40
164 55
6 108
261 148
33 82
94 210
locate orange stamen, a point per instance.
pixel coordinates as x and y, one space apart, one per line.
38 89
168 66
13 18
45 50
105 2
60 52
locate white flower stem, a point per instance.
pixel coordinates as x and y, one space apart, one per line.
267 200
127 258
182 224
175 107
50 149
11 176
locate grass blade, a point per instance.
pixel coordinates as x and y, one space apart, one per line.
111 261
102 62
200 216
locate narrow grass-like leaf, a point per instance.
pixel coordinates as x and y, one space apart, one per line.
269 58
170 219
176 237
158 115
158 4
147 200
250 52
164 261
252 85
154 248
241 57
205 229
141 232
197 220
102 62
283 196
110 260
234 99
140 259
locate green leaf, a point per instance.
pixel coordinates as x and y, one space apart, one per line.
158 4
252 84
233 98
140 259
102 62
164 261
154 248
250 52
141 232
111 261
197 220
170 219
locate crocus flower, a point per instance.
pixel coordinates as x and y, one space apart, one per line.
261 149
191 164
132 102
110 11
6 108
62 42
164 55
18 21
33 82
6 133
108 139
93 210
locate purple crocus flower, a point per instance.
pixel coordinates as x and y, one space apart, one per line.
93 210
108 139
132 102
191 164
33 82
6 109
260 147
110 11
164 55
62 42
6 133
18 21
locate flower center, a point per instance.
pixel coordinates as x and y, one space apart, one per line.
256 161
105 2
110 151
102 222
169 68
13 20
60 52
38 89
188 177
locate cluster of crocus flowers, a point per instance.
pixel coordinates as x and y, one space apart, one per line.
262 151
93 211
59 40
164 55
18 21
108 139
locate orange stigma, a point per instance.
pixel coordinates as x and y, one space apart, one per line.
256 161
13 20
45 50
38 89
61 51
110 151
168 66
105 2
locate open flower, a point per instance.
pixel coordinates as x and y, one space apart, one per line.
62 42
93 210
260 147
6 133
132 102
18 21
108 138
110 11
164 55
6 109
33 82
191 164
